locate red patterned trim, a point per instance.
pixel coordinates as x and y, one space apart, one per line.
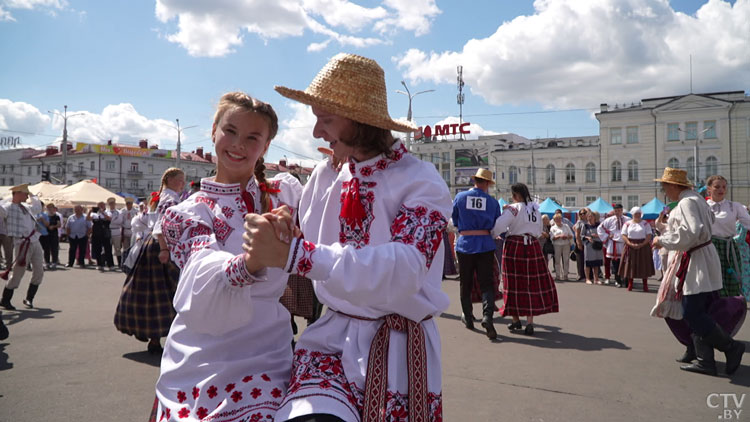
237 273
302 257
512 210
396 155
416 226
356 214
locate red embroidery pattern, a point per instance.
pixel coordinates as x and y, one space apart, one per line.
512 210
383 163
303 254
228 212
415 226
259 409
356 215
210 201
238 276
221 229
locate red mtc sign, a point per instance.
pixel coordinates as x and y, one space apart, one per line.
441 130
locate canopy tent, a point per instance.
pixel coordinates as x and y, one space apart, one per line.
5 191
601 206
85 193
549 206
45 189
652 209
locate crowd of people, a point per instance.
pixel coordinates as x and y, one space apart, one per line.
367 237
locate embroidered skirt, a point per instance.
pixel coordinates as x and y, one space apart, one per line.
529 289
637 263
145 308
729 257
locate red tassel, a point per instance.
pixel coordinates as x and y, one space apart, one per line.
265 188
352 209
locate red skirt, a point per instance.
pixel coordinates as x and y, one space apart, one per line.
529 289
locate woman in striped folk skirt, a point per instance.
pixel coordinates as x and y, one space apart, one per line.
528 287
637 259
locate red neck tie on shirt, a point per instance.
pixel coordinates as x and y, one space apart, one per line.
249 201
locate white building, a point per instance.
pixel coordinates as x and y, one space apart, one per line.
11 171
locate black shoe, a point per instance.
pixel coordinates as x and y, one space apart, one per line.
733 350
734 357
28 303
529 330
704 352
489 327
155 348
3 329
688 356
515 325
7 296
68 265
468 322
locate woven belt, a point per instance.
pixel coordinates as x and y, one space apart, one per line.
682 269
475 233
376 382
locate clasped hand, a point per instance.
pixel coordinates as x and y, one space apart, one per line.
267 238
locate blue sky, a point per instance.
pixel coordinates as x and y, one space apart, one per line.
132 68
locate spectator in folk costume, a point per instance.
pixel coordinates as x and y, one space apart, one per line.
115 229
26 247
145 307
637 260
698 276
727 214
228 356
372 246
562 237
77 229
528 286
474 214
127 215
610 232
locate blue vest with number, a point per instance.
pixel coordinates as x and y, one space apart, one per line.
475 210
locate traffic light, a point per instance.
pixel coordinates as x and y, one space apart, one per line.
45 175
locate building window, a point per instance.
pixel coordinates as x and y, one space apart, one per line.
691 131
632 171
11 170
133 166
615 136
150 185
712 166
93 165
616 172
633 201
550 174
590 173
710 129
673 132
632 134
12 180
109 165
616 199
80 167
28 171
513 175
436 157
590 199
3 172
133 184
109 183
150 169
446 157
447 176
570 173
691 169
38 170
673 163
530 175
570 201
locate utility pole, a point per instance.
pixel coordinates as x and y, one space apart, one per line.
460 98
408 114
64 145
179 133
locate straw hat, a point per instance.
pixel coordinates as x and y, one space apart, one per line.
484 174
24 188
675 177
353 87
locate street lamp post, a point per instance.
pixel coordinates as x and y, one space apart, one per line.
696 165
408 114
64 145
179 144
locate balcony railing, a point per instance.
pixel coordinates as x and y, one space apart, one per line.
135 173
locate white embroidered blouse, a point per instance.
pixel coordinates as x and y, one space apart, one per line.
727 214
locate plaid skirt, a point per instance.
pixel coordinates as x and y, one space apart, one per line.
145 308
637 263
299 296
527 283
730 259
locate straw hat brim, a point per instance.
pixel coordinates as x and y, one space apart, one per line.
674 182
492 182
383 122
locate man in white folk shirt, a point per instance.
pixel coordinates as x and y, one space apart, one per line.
688 234
126 214
115 228
26 247
610 232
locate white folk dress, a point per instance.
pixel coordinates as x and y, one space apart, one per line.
228 355
373 248
610 232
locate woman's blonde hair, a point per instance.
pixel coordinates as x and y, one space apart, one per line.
232 100
168 174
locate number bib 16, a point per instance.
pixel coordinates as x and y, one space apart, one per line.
476 203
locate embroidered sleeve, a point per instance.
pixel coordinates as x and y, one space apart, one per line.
420 228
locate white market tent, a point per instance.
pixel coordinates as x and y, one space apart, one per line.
45 189
86 193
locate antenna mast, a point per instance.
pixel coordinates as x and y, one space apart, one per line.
460 98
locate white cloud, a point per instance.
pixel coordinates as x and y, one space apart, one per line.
572 53
295 135
49 5
22 117
217 28
120 123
